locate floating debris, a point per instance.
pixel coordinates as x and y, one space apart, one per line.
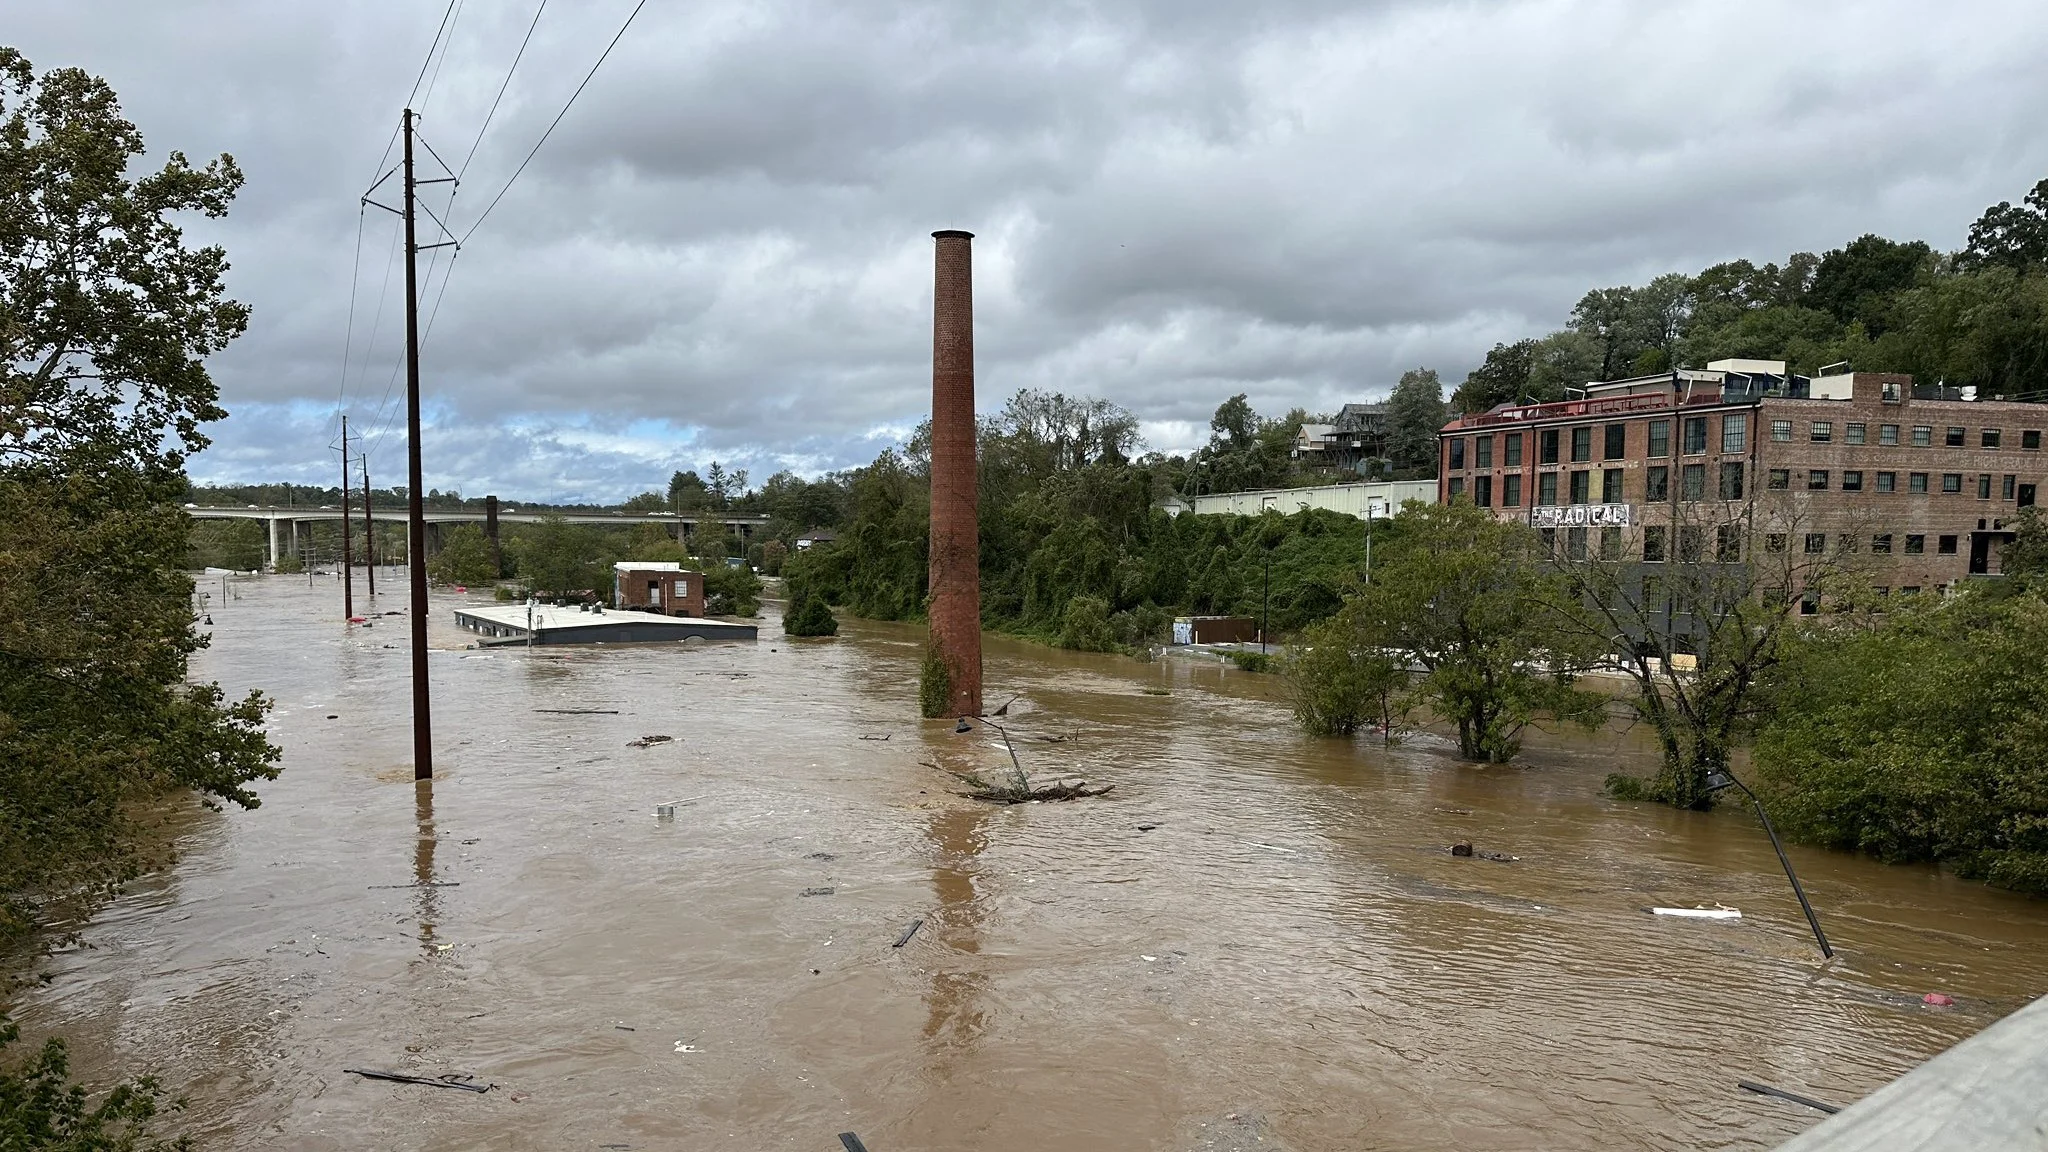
649 741
451 1081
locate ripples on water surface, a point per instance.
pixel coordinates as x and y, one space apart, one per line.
1289 960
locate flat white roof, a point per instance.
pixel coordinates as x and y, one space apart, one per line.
553 617
648 566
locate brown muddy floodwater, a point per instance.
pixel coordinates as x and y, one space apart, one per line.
1289 960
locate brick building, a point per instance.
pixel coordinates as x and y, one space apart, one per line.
1920 483
659 586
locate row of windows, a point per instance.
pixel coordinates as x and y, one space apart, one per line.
1692 543
1693 485
1693 432
1953 436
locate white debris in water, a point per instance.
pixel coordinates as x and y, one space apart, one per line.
1720 912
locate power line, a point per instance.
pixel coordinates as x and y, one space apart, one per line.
445 14
454 19
349 334
557 120
516 57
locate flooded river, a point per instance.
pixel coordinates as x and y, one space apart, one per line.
1289 958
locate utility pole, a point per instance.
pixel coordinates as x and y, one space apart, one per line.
348 580
369 536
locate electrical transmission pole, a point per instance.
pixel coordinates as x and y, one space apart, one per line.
416 518
369 535
348 580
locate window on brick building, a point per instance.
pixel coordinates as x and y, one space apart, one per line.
1781 479
1728 543
2030 440
1984 486
1610 486
1852 481
1482 452
1922 436
1548 536
1915 544
1781 431
1735 433
1513 450
1881 543
1575 543
1777 542
1660 438
1816 543
1511 491
1990 437
1457 453
2010 483
1887 481
1692 543
1821 431
1616 442
1887 433
1546 489
1954 437
1952 482
1582 444
1731 480
1695 435
1916 482
1653 544
1610 543
1457 487
1853 433
1695 482
1582 484
1657 483
1482 491
1910 590
1653 593
1946 545
1817 480
1546 447
1847 542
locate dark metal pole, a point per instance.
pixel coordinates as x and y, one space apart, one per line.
1825 951
416 521
348 582
369 535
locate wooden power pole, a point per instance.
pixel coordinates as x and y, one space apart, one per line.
348 579
416 519
369 535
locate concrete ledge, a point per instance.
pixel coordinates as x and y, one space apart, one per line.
1988 1092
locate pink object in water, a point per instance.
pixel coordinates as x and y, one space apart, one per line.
1938 1000
461 588
356 619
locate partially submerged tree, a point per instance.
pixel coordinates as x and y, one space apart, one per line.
1465 596
465 558
1342 677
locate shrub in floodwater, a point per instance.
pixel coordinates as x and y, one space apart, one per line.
934 684
41 1109
1084 626
809 615
1340 683
1254 661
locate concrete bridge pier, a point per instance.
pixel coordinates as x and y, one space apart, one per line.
274 546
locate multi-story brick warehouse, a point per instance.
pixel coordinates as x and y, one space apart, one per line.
1920 482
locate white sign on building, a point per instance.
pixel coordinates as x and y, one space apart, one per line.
1581 516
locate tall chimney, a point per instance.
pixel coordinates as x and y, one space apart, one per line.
956 551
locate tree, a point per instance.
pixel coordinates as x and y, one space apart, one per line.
1463 595
1502 379
1234 425
106 318
465 558
2012 237
1694 608
1341 676
557 558
2025 559
1855 281
646 502
1415 414
731 591
687 492
233 544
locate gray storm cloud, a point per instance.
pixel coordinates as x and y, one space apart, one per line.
723 250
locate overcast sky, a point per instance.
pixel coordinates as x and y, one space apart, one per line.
724 250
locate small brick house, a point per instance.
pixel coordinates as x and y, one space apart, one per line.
661 587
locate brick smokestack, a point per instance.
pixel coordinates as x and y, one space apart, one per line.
956 544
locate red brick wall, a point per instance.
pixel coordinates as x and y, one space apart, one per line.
955 552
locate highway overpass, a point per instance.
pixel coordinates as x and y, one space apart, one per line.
285 519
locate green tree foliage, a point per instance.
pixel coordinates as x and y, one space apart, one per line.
807 613
1502 379
1922 736
106 318
934 683
1465 596
1415 413
773 555
235 544
42 1110
2025 559
557 558
464 558
731 591
2010 237
646 502
1341 676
